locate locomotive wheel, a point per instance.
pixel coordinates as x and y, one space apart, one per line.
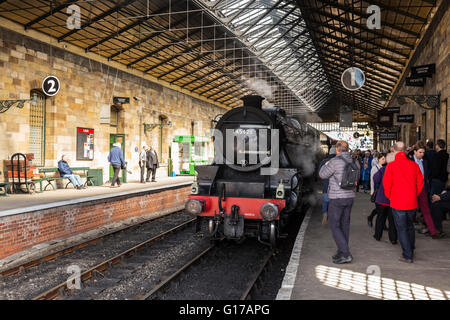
273 234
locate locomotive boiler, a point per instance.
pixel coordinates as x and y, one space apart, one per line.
257 178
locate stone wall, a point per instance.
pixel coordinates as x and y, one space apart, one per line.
86 85
434 124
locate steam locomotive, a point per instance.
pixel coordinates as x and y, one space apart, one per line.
258 176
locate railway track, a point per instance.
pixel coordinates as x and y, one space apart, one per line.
156 269
36 262
62 289
28 280
213 252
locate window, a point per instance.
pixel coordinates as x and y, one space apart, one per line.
37 129
114 122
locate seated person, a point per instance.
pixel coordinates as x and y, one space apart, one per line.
66 172
440 202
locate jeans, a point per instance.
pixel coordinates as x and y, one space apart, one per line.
339 220
383 213
366 185
74 178
404 222
325 202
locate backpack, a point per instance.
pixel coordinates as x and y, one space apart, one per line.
350 176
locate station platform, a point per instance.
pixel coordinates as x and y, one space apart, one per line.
22 202
374 273
32 226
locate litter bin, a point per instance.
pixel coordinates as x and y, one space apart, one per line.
97 176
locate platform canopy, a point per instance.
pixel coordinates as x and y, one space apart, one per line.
291 52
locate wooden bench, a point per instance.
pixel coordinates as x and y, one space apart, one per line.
56 176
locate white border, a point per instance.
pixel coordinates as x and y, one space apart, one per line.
290 275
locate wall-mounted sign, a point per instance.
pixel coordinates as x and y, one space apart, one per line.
121 100
388 135
85 144
405 118
393 109
353 78
385 119
362 126
51 86
416 82
423 71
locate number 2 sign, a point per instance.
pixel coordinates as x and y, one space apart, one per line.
50 85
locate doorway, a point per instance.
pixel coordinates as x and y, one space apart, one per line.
113 138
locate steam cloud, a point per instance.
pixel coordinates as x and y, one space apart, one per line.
260 86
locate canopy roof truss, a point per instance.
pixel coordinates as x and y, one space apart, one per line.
292 52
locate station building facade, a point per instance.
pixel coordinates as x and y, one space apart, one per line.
48 128
430 124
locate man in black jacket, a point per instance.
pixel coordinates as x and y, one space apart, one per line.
440 202
438 176
152 164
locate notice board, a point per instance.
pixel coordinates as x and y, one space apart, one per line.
85 144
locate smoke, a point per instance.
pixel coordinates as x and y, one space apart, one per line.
310 117
261 86
304 152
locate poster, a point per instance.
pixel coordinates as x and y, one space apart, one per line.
85 144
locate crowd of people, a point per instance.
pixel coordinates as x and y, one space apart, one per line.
408 187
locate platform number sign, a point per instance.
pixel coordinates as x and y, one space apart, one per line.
50 86
353 78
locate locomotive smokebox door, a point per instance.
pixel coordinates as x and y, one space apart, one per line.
233 227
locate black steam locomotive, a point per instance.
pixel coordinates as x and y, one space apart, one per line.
258 175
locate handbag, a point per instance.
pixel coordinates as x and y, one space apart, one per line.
374 195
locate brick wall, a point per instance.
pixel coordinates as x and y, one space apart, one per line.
22 231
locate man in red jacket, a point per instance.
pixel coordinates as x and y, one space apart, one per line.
403 182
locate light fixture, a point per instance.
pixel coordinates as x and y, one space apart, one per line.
151 126
427 102
5 105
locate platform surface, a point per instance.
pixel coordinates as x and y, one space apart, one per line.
317 277
21 202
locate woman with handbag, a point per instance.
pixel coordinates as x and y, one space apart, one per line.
383 205
377 164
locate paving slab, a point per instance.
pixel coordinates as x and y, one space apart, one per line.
376 272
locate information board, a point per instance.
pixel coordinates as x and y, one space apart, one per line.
85 144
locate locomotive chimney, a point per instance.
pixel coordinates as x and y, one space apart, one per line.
252 101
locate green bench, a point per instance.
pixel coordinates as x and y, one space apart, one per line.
56 176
